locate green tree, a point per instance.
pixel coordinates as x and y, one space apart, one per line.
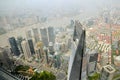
116 77
95 76
21 68
44 75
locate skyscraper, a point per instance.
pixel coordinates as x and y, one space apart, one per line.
57 61
51 48
38 53
30 42
78 61
8 50
19 40
44 36
36 34
40 46
46 54
26 49
14 46
92 62
51 34
5 60
29 34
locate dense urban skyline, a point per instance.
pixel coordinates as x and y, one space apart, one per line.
59 39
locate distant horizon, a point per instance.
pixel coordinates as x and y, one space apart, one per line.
47 6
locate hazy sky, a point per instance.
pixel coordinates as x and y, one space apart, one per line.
6 5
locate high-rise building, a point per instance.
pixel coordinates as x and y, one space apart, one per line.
19 40
51 34
51 48
57 46
30 42
5 60
46 54
36 34
44 36
29 34
14 46
92 62
8 51
57 61
38 53
40 45
63 47
26 49
78 59
107 73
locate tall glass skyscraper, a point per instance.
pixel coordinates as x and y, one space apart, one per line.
51 34
29 34
30 42
14 46
36 34
78 59
26 49
44 36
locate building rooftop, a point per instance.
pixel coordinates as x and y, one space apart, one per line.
5 75
109 69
